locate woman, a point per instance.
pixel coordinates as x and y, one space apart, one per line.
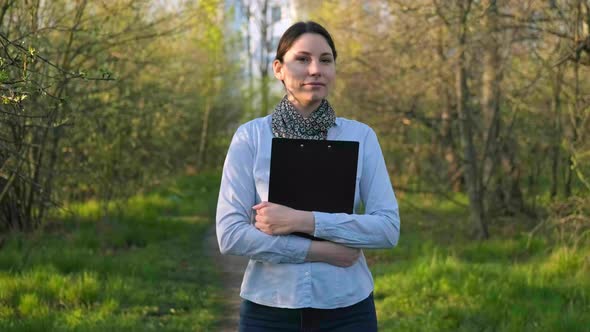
294 283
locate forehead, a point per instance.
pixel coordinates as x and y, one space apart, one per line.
311 43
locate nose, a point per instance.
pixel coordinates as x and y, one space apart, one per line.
314 68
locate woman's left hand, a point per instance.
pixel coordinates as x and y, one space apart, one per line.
276 219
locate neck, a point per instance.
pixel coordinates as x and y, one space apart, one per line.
304 109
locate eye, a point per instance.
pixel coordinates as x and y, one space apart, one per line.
302 59
327 60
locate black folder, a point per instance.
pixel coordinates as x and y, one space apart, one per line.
313 175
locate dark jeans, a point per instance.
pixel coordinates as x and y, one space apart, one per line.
355 318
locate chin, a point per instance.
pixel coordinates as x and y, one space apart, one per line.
317 97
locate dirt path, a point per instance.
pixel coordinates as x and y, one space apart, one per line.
232 269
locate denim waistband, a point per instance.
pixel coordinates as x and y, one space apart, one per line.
357 317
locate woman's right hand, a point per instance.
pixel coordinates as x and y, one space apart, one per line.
332 253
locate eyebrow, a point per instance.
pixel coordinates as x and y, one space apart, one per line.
307 53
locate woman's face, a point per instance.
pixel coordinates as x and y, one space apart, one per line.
308 70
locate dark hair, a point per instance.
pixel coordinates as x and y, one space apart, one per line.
295 31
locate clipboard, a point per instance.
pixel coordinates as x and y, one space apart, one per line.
313 175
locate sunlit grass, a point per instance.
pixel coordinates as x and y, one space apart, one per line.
139 270
142 269
439 279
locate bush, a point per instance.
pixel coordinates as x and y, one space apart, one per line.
567 223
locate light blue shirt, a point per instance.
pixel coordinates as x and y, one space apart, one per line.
277 274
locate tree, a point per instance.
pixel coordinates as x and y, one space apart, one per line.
461 92
102 100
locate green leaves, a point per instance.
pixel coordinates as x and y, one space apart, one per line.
3 76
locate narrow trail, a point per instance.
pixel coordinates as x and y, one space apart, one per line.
232 269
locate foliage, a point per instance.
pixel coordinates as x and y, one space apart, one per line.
567 223
524 100
104 99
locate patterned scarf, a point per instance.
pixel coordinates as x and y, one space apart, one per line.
288 123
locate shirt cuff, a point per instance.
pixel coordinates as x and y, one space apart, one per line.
297 248
320 223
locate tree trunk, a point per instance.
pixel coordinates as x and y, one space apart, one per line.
204 130
447 147
250 62
557 131
472 178
501 186
490 93
575 111
265 23
57 131
246 7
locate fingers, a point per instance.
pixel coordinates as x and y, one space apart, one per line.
261 222
263 227
260 205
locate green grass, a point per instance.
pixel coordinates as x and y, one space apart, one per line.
140 269
438 279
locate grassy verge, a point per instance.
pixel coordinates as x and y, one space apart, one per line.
142 270
439 280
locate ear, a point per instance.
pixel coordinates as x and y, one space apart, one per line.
277 68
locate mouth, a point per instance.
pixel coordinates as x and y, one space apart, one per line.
315 84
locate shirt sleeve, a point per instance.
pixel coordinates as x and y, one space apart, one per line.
379 227
236 234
